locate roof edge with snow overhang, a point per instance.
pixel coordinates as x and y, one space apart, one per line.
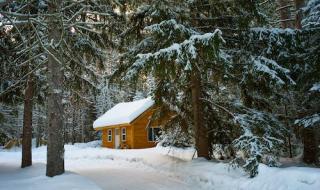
123 113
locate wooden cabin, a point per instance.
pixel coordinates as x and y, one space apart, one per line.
126 125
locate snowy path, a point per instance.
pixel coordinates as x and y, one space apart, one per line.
12 177
137 179
106 178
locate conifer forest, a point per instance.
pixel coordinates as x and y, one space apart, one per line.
232 89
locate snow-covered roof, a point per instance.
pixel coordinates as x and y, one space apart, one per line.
123 113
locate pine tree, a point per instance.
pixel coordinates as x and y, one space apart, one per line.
308 90
21 48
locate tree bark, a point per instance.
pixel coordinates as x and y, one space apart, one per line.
38 137
289 128
27 124
74 122
82 124
55 148
311 143
38 129
201 134
285 14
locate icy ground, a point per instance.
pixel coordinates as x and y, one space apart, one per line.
90 167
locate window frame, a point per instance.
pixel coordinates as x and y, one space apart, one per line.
124 129
153 136
109 135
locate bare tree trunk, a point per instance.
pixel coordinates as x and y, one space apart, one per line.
38 137
201 135
317 135
290 131
285 14
27 124
82 133
55 148
311 143
82 120
38 129
73 132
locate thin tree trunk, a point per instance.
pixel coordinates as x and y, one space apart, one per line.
201 135
82 120
82 133
74 122
38 135
317 135
289 128
55 148
38 129
27 124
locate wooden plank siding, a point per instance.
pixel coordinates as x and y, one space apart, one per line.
105 142
129 139
128 143
140 135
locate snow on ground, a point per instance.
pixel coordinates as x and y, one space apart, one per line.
90 165
12 177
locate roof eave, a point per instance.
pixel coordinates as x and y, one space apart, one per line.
111 126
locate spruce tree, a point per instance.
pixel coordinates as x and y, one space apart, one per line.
210 58
76 31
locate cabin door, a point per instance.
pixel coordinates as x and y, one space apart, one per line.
117 138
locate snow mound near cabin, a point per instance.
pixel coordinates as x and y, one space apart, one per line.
123 113
92 144
186 154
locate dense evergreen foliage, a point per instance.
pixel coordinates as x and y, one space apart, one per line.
232 82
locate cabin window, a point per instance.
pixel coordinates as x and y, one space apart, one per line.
109 135
124 134
153 133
